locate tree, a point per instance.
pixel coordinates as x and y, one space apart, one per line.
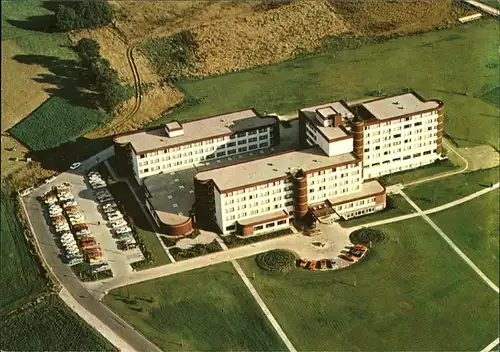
83 14
88 51
66 18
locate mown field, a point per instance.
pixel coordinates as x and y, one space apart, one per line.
55 122
396 206
20 279
50 326
438 192
409 296
419 62
473 226
206 309
494 3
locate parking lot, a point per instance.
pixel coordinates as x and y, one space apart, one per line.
118 260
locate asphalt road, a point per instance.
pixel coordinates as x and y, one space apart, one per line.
51 254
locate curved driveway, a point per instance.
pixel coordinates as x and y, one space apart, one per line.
64 274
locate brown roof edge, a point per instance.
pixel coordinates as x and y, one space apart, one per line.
284 216
357 160
359 198
183 122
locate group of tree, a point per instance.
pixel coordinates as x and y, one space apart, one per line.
103 77
71 15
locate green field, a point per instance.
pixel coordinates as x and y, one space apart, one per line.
396 206
50 326
201 310
24 23
20 279
421 62
412 293
55 122
473 226
438 192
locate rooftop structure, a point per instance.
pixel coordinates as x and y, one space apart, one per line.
397 106
327 111
272 168
175 133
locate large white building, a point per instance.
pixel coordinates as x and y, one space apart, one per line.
342 148
176 146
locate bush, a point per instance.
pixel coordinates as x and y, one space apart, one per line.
277 260
195 251
173 56
233 241
366 235
83 14
87 50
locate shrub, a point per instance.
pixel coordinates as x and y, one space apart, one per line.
83 14
87 50
366 235
196 250
173 56
233 241
277 260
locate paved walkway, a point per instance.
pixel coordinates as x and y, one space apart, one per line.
450 242
109 334
491 345
432 178
264 308
486 8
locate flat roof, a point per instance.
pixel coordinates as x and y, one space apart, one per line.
329 108
273 167
261 219
367 189
163 185
398 105
205 128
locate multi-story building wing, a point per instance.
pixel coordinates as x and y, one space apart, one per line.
262 195
176 146
399 133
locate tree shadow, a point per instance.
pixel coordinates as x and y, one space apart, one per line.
42 23
59 158
68 79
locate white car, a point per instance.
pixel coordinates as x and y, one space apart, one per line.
75 166
115 216
118 224
123 230
70 203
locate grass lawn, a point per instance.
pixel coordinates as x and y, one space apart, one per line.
473 226
55 122
433 169
280 88
396 206
24 21
20 279
438 192
122 193
409 295
206 309
50 326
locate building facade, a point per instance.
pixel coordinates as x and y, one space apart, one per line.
177 146
331 176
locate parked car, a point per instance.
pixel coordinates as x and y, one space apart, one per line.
109 205
303 263
123 230
324 264
118 224
82 232
115 216
75 166
312 265
124 235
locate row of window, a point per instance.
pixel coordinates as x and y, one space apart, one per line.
270 225
337 191
211 141
406 157
409 118
356 203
